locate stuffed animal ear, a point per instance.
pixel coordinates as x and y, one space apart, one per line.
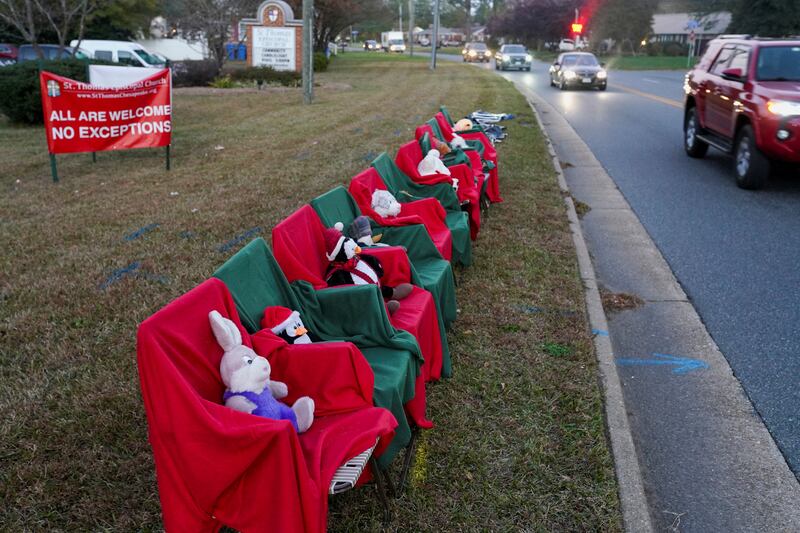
227 334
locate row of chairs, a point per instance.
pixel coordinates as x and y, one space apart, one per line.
217 466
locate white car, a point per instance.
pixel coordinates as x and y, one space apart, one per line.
124 52
566 45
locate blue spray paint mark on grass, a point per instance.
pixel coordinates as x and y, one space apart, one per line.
187 234
683 365
134 270
370 156
139 232
239 238
397 133
600 332
120 273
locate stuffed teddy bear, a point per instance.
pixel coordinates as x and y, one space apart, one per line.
348 267
361 231
246 376
432 164
442 146
464 124
287 325
385 204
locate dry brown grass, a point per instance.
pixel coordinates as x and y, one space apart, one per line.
519 443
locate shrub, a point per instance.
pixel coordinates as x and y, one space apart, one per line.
19 85
674 48
268 75
194 73
223 82
320 62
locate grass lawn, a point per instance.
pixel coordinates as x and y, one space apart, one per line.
519 442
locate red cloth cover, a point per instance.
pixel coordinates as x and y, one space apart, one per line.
218 466
299 237
408 158
489 153
474 158
427 211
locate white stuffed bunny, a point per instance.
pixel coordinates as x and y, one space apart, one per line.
385 204
432 164
458 142
246 376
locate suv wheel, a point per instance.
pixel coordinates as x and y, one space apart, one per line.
691 126
750 165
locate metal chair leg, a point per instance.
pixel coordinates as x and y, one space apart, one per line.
387 513
412 445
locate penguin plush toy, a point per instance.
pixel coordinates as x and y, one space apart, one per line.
348 267
287 325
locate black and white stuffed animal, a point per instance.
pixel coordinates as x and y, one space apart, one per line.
287 325
348 267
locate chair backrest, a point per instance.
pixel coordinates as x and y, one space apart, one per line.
299 245
424 137
362 186
446 114
255 281
394 178
178 337
408 157
334 206
444 127
435 129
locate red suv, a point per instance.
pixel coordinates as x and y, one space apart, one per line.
743 98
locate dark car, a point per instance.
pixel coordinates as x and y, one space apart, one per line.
743 98
476 52
372 46
512 56
578 69
49 51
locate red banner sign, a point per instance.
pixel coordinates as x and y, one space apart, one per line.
79 117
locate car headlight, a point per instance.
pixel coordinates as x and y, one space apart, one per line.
528 58
472 53
506 58
569 74
783 108
488 53
602 74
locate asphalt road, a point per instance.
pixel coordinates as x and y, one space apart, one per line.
734 253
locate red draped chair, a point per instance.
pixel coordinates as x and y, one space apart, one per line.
408 158
489 153
427 211
216 466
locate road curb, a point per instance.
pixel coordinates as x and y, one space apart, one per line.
635 510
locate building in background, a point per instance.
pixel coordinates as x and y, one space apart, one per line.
677 27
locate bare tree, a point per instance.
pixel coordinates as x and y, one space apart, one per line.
22 16
63 15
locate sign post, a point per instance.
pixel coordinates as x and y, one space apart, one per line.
435 39
411 28
308 47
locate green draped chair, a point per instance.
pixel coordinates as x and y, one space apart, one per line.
255 281
428 269
406 189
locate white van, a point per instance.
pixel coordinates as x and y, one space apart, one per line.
124 52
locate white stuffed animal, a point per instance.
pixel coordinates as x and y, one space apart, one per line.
458 142
246 376
432 164
385 204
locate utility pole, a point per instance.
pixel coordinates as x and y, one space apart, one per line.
400 7
411 28
308 51
435 39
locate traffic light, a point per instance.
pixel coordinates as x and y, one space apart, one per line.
577 28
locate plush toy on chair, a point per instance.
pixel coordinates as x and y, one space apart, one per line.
246 376
348 267
287 325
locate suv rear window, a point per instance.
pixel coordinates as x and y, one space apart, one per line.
778 63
